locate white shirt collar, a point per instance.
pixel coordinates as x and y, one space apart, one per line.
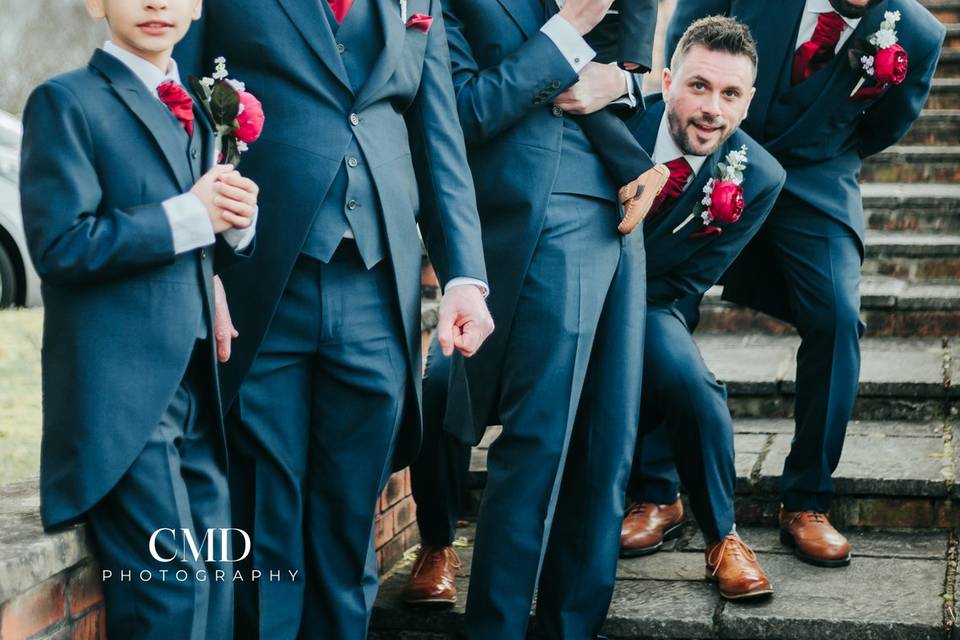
148 73
666 148
824 6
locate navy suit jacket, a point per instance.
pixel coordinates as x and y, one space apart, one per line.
679 264
505 72
288 58
814 129
122 311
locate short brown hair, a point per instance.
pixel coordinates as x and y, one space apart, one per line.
717 33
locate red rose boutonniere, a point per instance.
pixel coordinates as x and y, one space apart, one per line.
236 114
722 201
880 61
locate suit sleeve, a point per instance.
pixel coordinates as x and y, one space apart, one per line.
638 29
72 239
494 99
453 240
684 15
889 119
705 268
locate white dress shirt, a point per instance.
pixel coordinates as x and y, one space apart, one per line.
808 23
578 53
666 149
188 217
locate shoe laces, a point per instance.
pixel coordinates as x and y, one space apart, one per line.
637 508
433 556
817 517
733 545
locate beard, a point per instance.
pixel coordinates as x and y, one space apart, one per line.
680 135
850 10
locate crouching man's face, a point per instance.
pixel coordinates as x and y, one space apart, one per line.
707 94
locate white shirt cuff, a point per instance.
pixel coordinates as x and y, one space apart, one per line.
461 281
240 239
189 223
629 98
571 44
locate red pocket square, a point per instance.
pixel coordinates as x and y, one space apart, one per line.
420 22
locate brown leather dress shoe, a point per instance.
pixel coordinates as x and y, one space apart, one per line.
734 567
647 525
432 583
638 195
813 539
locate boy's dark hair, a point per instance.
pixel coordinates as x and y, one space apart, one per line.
717 33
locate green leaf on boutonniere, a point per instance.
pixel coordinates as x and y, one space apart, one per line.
203 93
224 103
231 155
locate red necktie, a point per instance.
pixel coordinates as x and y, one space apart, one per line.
814 54
340 8
179 102
680 171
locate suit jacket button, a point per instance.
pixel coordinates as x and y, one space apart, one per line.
194 154
203 254
340 47
352 204
555 84
557 111
354 119
352 162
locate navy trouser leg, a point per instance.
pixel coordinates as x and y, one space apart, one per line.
681 392
318 415
653 476
551 337
176 483
580 566
820 258
437 475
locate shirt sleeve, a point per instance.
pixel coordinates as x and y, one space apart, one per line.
570 43
189 223
460 281
630 97
240 239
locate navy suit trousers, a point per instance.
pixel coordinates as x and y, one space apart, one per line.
177 482
820 258
335 352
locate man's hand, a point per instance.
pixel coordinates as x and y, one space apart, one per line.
599 85
223 329
584 15
463 321
230 199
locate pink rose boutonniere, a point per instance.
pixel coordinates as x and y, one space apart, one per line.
880 61
722 201
236 114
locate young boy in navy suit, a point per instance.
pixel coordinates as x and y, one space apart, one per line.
125 217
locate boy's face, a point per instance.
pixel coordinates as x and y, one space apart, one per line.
148 28
707 98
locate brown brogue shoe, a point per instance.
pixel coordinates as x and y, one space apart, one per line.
734 567
433 581
813 539
647 525
638 195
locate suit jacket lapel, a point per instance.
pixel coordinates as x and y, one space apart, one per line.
309 19
154 115
776 36
394 33
528 14
645 124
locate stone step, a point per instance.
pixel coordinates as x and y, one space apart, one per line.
935 127
912 207
944 94
899 585
890 308
914 163
947 11
952 41
913 256
891 474
949 65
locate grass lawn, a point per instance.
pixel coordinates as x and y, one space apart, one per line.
20 332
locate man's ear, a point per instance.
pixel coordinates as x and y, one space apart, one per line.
198 9
96 9
666 81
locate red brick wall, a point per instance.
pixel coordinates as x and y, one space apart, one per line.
68 605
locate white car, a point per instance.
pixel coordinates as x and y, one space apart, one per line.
19 284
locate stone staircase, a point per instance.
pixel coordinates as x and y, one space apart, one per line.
897 489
